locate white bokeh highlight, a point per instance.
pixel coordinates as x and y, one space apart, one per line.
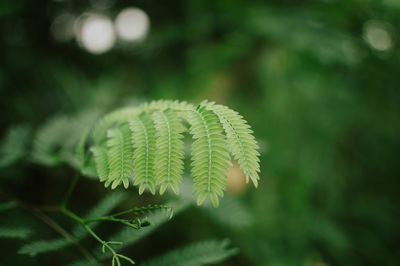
132 24
96 33
377 35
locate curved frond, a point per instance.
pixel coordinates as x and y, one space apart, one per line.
210 157
101 127
196 254
14 146
169 153
164 104
50 139
101 161
147 141
240 141
57 140
144 142
119 156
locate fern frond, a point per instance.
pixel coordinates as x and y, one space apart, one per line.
164 104
196 254
57 140
11 232
146 210
210 157
14 145
240 141
157 219
157 149
144 142
105 123
101 161
169 154
43 246
120 156
49 139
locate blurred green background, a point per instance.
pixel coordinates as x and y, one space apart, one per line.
318 80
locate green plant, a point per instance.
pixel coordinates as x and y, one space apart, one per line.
155 130
144 146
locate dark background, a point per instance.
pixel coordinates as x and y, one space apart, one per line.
318 81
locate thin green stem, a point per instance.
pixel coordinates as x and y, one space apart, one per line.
72 215
104 244
50 222
70 190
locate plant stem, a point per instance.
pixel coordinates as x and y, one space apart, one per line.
50 222
70 190
72 215
88 229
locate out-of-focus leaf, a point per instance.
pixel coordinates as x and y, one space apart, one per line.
196 254
11 232
14 145
231 212
43 246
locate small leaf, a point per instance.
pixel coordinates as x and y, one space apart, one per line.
196 254
10 232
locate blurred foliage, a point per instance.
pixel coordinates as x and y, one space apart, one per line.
323 103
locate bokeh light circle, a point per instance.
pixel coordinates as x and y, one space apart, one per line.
132 24
97 34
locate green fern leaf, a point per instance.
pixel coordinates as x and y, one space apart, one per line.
58 139
14 145
101 160
144 142
169 154
240 141
120 156
105 123
129 236
156 155
10 232
165 104
210 157
196 254
50 139
43 246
